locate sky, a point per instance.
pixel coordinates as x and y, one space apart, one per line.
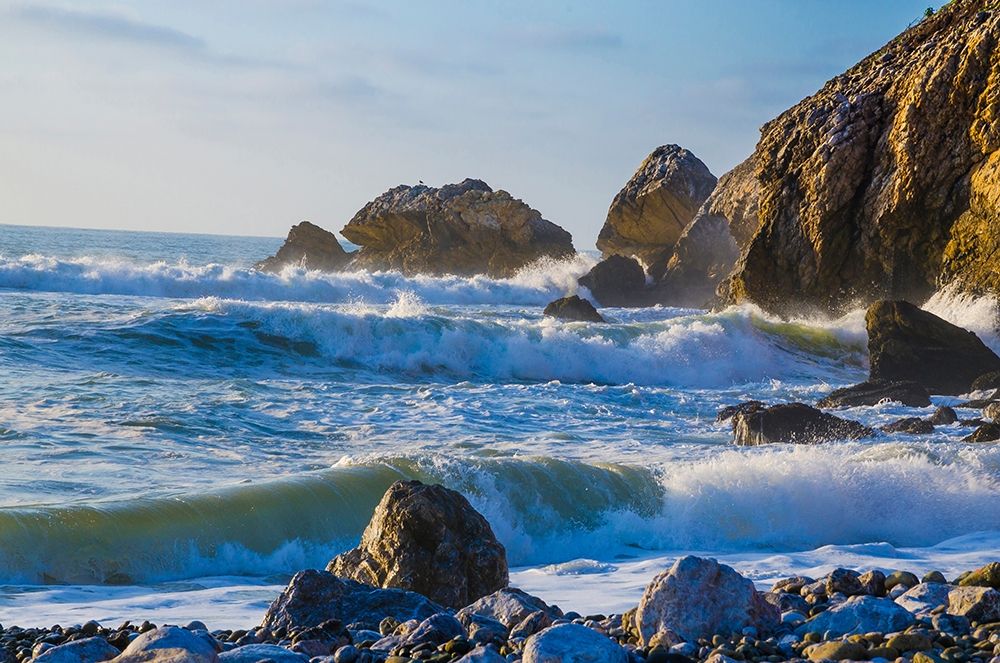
246 116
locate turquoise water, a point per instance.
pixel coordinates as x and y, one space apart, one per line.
168 414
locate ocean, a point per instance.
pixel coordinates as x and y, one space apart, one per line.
180 433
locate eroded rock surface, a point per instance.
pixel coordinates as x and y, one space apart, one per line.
427 539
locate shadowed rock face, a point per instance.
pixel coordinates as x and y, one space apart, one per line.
793 423
464 229
309 246
649 214
908 343
885 183
427 539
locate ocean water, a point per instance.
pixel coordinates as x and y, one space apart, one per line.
179 433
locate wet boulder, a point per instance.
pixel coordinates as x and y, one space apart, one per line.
943 416
873 392
987 381
992 411
908 343
986 432
730 411
308 246
699 598
793 423
573 308
617 281
910 425
427 539
314 597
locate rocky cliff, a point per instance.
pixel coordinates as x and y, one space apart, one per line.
654 207
885 183
466 228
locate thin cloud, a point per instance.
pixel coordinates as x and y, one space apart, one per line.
107 26
562 38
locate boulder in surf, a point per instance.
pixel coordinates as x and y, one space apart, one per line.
908 343
793 423
427 539
573 308
873 392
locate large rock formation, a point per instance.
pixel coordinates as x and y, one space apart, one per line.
427 539
886 182
908 343
309 246
466 228
652 210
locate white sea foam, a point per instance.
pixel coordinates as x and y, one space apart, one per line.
535 285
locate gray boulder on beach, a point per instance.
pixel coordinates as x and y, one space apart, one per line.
572 643
427 539
859 614
87 650
313 597
510 606
255 653
170 644
924 597
979 604
698 598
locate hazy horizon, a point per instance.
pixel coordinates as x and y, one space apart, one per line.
245 118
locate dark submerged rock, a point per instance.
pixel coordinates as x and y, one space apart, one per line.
573 308
873 392
908 343
731 411
617 281
985 433
911 425
794 423
428 539
943 416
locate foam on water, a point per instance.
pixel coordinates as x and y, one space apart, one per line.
535 285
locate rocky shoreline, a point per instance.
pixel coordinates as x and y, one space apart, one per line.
697 610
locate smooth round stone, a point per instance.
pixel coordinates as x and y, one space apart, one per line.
346 654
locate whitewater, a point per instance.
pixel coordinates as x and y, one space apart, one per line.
181 433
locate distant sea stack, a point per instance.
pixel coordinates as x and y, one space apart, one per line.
465 229
309 246
885 184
